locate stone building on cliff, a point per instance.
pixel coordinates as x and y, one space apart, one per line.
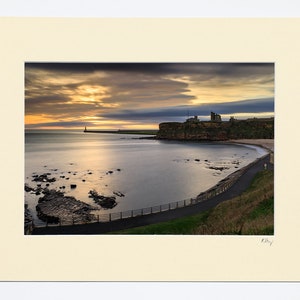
215 117
193 120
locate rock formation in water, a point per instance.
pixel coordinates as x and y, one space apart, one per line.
55 206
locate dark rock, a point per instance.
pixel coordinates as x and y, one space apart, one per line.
119 194
103 201
43 178
28 220
82 210
196 159
83 180
118 170
73 186
46 191
45 217
28 188
54 206
218 168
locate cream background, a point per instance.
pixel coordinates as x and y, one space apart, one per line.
149 258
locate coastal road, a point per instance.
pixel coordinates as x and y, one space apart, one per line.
101 228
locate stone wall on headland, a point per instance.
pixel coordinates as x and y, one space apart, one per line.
218 131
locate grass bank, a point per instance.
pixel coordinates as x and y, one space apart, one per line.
251 213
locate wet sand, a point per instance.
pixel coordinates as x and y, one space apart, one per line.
265 143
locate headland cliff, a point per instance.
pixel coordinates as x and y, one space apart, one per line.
193 129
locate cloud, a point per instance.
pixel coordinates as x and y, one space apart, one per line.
71 124
226 69
146 92
245 106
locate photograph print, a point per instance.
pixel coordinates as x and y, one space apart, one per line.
149 148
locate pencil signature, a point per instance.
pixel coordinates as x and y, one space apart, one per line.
267 241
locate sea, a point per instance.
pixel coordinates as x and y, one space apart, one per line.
140 172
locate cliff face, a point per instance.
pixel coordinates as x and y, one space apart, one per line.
218 131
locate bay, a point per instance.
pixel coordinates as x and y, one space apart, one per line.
147 172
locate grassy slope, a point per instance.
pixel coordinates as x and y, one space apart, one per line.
250 213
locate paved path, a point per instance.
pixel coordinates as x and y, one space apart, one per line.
99 228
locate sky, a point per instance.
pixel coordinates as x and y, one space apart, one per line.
142 95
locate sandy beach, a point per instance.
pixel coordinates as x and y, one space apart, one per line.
265 143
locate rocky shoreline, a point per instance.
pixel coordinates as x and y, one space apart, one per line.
54 207
236 189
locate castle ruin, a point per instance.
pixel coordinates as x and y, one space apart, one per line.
215 117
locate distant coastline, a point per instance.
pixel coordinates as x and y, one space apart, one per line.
215 130
125 131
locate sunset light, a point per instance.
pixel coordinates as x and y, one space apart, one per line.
141 95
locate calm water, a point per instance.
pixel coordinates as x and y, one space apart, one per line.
151 172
